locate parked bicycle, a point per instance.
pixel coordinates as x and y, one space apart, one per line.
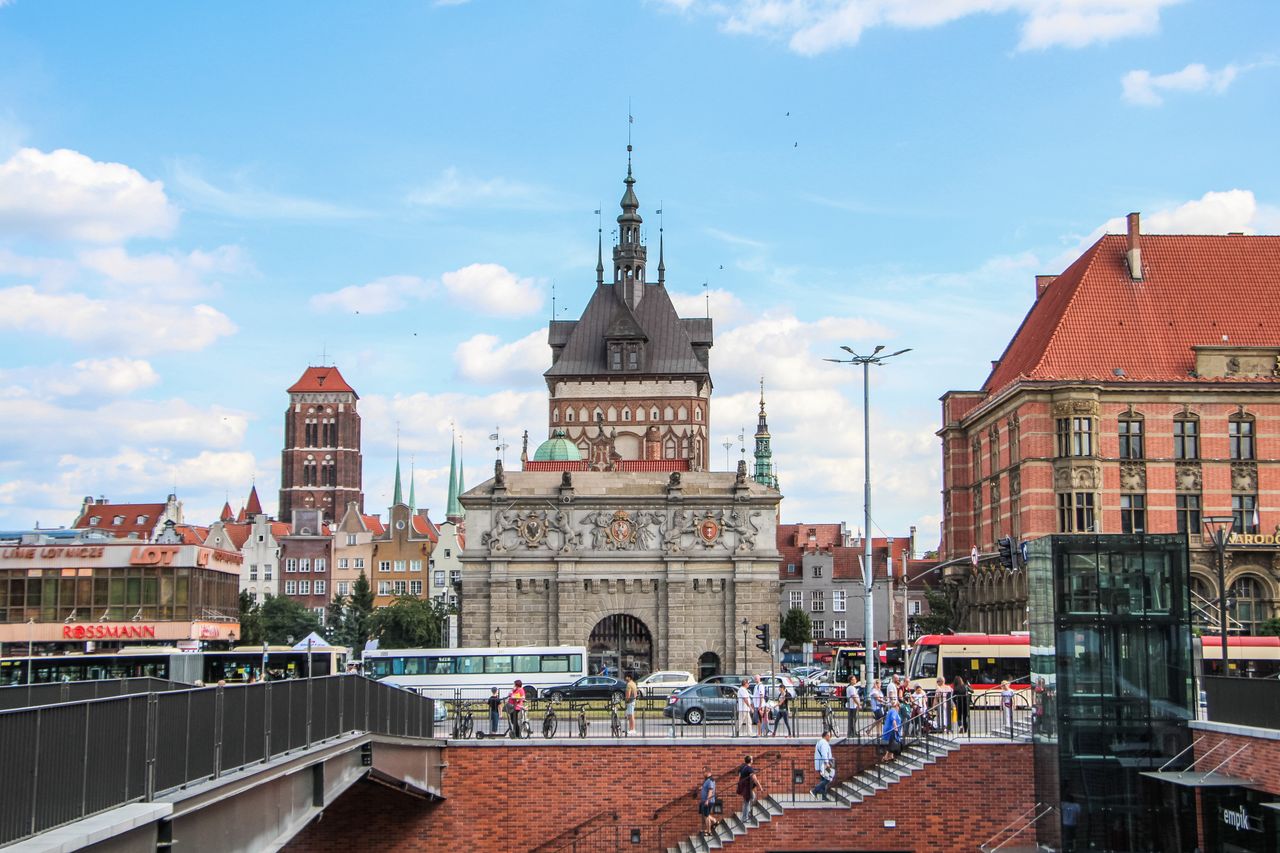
615 719
549 721
582 718
463 720
828 716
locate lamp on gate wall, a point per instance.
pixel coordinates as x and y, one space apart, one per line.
797 776
635 836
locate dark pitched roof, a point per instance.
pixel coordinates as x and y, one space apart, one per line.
669 348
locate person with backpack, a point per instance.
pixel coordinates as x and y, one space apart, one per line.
960 692
749 787
707 802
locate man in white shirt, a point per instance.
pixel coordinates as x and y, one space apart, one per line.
744 710
758 699
891 691
825 763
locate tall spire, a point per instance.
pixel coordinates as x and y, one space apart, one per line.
397 496
764 452
662 264
629 254
413 494
453 509
599 251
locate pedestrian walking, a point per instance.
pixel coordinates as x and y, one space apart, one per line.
495 705
515 707
1006 704
707 803
852 702
877 702
744 710
782 712
960 691
824 761
891 733
891 694
749 787
942 705
759 699
632 691
1070 820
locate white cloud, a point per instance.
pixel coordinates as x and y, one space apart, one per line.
88 379
812 27
453 189
64 194
781 347
484 358
377 297
51 273
726 308
1143 87
494 289
245 201
164 275
126 325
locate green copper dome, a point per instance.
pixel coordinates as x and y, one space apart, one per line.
557 449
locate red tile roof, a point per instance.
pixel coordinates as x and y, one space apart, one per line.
135 520
375 525
424 526
320 379
226 514
238 533
795 540
191 534
253 506
1094 318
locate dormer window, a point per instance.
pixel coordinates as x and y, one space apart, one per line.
119 519
615 356
93 520
142 519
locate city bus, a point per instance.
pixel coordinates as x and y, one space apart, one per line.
240 664
1254 657
984 660
438 673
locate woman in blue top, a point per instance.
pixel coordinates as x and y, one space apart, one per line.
892 734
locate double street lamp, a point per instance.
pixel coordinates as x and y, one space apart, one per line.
868 614
1218 530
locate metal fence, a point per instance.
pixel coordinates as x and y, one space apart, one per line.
467 714
70 760
1242 701
32 695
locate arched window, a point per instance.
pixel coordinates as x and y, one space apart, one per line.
626 414
1250 604
640 414
670 448
611 415
682 414
668 413
697 413
568 415
582 415
555 415
653 413
708 665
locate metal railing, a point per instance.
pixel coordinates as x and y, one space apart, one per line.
680 818
588 836
67 761
1242 701
32 695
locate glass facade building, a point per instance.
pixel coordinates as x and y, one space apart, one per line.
1111 673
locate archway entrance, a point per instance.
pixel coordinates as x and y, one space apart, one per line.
620 639
708 665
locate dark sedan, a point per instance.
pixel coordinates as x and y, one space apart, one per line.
589 687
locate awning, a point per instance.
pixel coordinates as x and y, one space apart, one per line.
1197 779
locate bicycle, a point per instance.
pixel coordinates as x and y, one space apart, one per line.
549 722
828 717
615 720
463 721
582 718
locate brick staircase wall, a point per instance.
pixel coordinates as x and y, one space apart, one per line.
503 797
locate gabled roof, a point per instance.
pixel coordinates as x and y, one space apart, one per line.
316 379
669 349
1094 319
796 540
374 524
135 520
238 533
253 506
226 514
424 526
191 534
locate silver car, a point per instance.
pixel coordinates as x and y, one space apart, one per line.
703 702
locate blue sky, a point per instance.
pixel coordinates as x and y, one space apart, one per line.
196 201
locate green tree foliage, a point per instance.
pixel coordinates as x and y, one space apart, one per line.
410 623
283 618
796 629
943 613
335 620
1270 628
356 627
250 621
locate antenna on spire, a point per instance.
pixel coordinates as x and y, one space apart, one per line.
630 121
707 295
324 353
599 248
662 262
553 299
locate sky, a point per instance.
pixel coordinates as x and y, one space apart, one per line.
199 200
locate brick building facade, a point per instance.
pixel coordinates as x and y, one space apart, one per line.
306 561
321 467
1140 394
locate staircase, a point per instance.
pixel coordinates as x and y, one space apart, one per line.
848 794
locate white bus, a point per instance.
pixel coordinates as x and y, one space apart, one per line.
439 673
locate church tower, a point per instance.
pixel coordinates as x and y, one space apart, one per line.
630 380
764 452
320 467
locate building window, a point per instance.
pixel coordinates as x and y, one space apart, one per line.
1075 512
415 565
290 587
839 629
253 573
817 570
1240 435
384 587
819 629
1075 436
993 447
319 612
1244 513
791 568
384 565
321 586
415 588
615 356
304 587
1250 604
1130 430
266 571
797 599
344 563
351 539
400 587
913 607
253 596
359 562
817 601
633 357
399 567
344 588
1133 513
1186 438
321 564
291 565
838 600
440 578
448 552
1188 508
304 564
455 576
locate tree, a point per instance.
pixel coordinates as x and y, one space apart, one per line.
250 621
943 616
796 629
335 628
359 612
1270 628
410 622
283 618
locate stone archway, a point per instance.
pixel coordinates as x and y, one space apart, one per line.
708 665
623 638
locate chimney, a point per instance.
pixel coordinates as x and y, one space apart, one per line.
1042 284
1135 249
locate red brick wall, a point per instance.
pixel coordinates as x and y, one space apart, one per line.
508 798
1260 760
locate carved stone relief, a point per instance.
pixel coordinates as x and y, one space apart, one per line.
1015 483
1133 477
1187 477
1244 477
1066 408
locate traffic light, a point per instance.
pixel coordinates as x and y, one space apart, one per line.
762 637
1005 546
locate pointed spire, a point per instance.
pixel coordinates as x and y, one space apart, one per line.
227 514
451 507
413 495
662 264
599 252
462 458
253 506
764 451
397 496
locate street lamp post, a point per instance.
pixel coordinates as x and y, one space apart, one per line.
868 614
1218 528
744 646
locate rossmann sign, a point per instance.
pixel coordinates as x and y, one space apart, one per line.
100 631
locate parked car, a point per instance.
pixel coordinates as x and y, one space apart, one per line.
775 683
665 682
730 680
803 672
589 687
702 702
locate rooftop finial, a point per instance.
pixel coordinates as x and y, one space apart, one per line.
662 264
599 248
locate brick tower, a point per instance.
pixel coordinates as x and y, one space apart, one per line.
320 467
